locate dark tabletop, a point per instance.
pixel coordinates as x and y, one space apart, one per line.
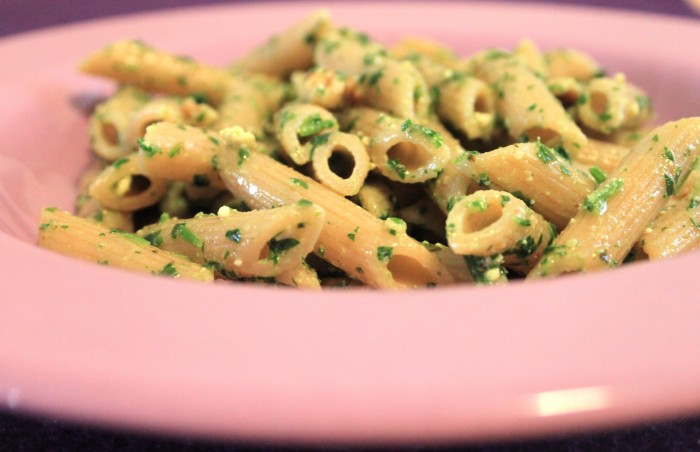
25 432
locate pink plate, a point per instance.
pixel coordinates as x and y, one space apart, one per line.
237 361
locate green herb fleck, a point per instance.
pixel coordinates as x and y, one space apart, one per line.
384 253
597 174
120 162
313 124
299 182
597 201
234 235
169 270
279 247
435 138
181 230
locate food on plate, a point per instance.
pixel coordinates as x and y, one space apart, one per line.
323 158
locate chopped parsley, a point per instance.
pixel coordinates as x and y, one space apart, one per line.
396 166
597 201
169 270
313 124
384 253
181 230
120 162
435 138
154 238
234 235
243 155
279 247
149 149
598 175
299 182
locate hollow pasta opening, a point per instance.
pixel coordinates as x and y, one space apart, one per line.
548 137
599 102
477 221
410 155
110 133
481 104
409 271
132 186
341 163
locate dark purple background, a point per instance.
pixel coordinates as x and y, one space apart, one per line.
27 433
23 15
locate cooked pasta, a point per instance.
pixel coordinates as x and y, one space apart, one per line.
322 159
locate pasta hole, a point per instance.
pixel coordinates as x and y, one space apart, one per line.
110 133
409 271
409 155
341 163
141 131
477 221
548 137
599 102
481 104
138 185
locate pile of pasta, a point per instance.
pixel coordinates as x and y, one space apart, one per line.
323 158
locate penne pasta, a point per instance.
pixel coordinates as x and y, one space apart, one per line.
352 239
259 243
76 237
135 63
613 217
535 173
529 110
340 162
402 151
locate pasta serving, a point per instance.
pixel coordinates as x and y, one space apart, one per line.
323 158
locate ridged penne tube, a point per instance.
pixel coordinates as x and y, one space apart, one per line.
168 109
571 63
613 217
249 102
395 87
464 102
64 233
183 153
451 182
402 151
123 186
340 162
534 173
352 238
604 155
677 227
109 124
321 87
243 244
302 277
135 63
529 110
288 51
492 222
297 125
611 103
